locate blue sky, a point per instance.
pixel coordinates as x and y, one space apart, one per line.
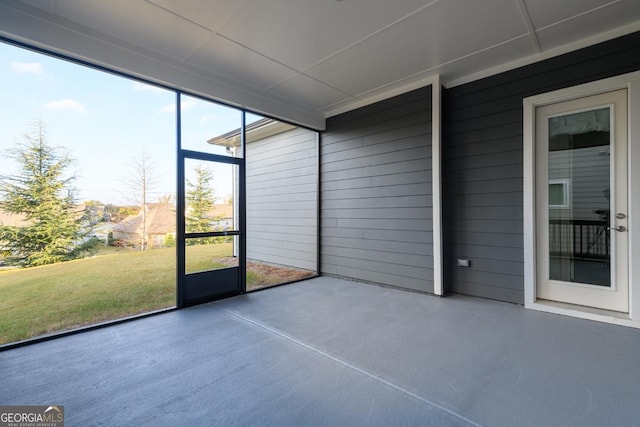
104 121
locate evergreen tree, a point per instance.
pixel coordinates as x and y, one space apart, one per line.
55 229
200 199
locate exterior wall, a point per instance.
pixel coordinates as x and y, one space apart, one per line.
483 166
282 201
376 204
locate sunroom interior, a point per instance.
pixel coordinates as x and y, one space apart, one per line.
388 153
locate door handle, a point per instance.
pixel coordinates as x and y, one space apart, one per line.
619 228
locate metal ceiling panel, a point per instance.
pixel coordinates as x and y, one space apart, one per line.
422 42
207 13
137 22
300 33
308 93
548 12
586 25
225 58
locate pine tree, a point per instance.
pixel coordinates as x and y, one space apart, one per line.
200 200
55 229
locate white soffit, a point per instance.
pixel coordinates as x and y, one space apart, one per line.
226 58
137 23
321 58
423 42
301 33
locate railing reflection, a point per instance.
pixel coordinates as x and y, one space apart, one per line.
579 239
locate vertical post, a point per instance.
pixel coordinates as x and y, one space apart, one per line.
242 190
318 203
180 210
436 190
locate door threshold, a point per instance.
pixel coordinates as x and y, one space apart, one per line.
582 312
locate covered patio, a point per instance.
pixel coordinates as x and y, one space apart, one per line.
336 352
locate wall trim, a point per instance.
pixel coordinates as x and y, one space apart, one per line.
631 82
436 183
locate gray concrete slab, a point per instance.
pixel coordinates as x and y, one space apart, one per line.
332 352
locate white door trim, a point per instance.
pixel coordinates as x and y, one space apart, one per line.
436 184
631 82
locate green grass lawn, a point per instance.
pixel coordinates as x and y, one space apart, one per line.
41 300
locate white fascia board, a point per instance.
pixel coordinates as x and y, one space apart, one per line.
33 27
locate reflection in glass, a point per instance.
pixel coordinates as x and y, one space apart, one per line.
579 197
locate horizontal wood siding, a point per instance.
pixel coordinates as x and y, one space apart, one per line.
376 204
282 199
482 164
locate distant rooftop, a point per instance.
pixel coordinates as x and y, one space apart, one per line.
258 130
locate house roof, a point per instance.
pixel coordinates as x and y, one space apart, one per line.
255 131
306 60
12 220
224 211
161 219
20 220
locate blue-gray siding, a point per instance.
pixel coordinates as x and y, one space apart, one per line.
376 204
482 167
282 199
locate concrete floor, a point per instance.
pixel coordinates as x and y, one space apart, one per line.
332 352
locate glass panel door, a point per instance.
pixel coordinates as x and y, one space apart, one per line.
581 201
579 179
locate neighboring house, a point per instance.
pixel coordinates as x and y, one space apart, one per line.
222 217
103 230
160 223
12 220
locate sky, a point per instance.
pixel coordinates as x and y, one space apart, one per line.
104 122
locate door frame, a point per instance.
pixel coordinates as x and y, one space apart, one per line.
614 296
631 82
200 287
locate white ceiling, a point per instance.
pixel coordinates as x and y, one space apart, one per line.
328 56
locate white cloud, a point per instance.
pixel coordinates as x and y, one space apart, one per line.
169 108
187 105
143 87
33 68
66 104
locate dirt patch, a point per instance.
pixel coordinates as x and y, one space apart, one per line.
262 275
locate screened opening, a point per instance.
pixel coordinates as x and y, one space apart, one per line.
95 238
124 230
282 202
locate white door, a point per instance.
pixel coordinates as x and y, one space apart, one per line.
581 201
